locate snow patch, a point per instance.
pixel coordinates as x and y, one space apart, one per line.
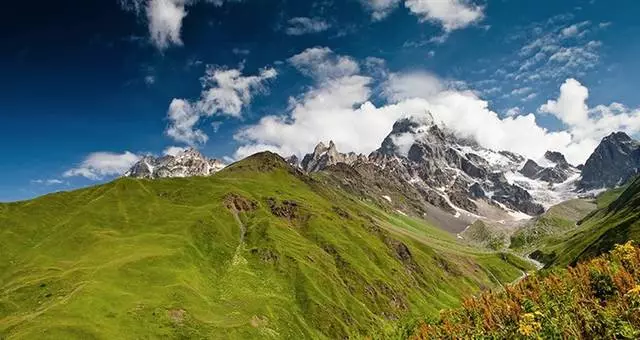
387 198
547 194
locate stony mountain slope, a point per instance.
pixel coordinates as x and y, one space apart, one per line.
257 250
454 174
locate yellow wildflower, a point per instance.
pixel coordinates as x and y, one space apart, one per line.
528 325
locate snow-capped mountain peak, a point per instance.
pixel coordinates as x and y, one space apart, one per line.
187 163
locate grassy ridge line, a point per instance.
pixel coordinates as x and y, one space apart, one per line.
139 258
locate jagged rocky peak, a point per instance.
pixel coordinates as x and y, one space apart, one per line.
293 161
556 157
613 162
186 163
324 156
406 131
557 171
531 169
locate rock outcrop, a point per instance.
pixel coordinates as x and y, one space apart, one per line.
324 156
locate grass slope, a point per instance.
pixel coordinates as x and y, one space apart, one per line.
256 251
552 225
617 221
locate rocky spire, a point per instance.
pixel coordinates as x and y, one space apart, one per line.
613 162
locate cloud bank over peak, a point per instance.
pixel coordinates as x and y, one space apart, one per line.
339 108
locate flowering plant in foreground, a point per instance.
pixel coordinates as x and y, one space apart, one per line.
599 298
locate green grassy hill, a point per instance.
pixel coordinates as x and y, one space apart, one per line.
616 221
255 251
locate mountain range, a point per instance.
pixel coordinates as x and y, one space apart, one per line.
453 174
336 245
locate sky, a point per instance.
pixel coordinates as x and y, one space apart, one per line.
88 87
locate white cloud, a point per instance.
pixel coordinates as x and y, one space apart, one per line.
173 150
512 112
321 63
380 8
304 25
164 18
411 85
571 106
183 118
226 92
48 182
521 91
98 165
575 29
165 22
451 14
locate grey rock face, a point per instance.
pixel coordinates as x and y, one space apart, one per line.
513 196
187 163
559 173
531 169
556 157
293 161
614 162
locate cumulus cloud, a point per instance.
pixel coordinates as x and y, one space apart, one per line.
183 118
321 63
98 165
571 106
450 14
589 125
304 25
226 92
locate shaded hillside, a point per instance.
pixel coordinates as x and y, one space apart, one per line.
258 250
599 299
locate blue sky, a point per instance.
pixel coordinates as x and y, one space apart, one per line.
88 86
